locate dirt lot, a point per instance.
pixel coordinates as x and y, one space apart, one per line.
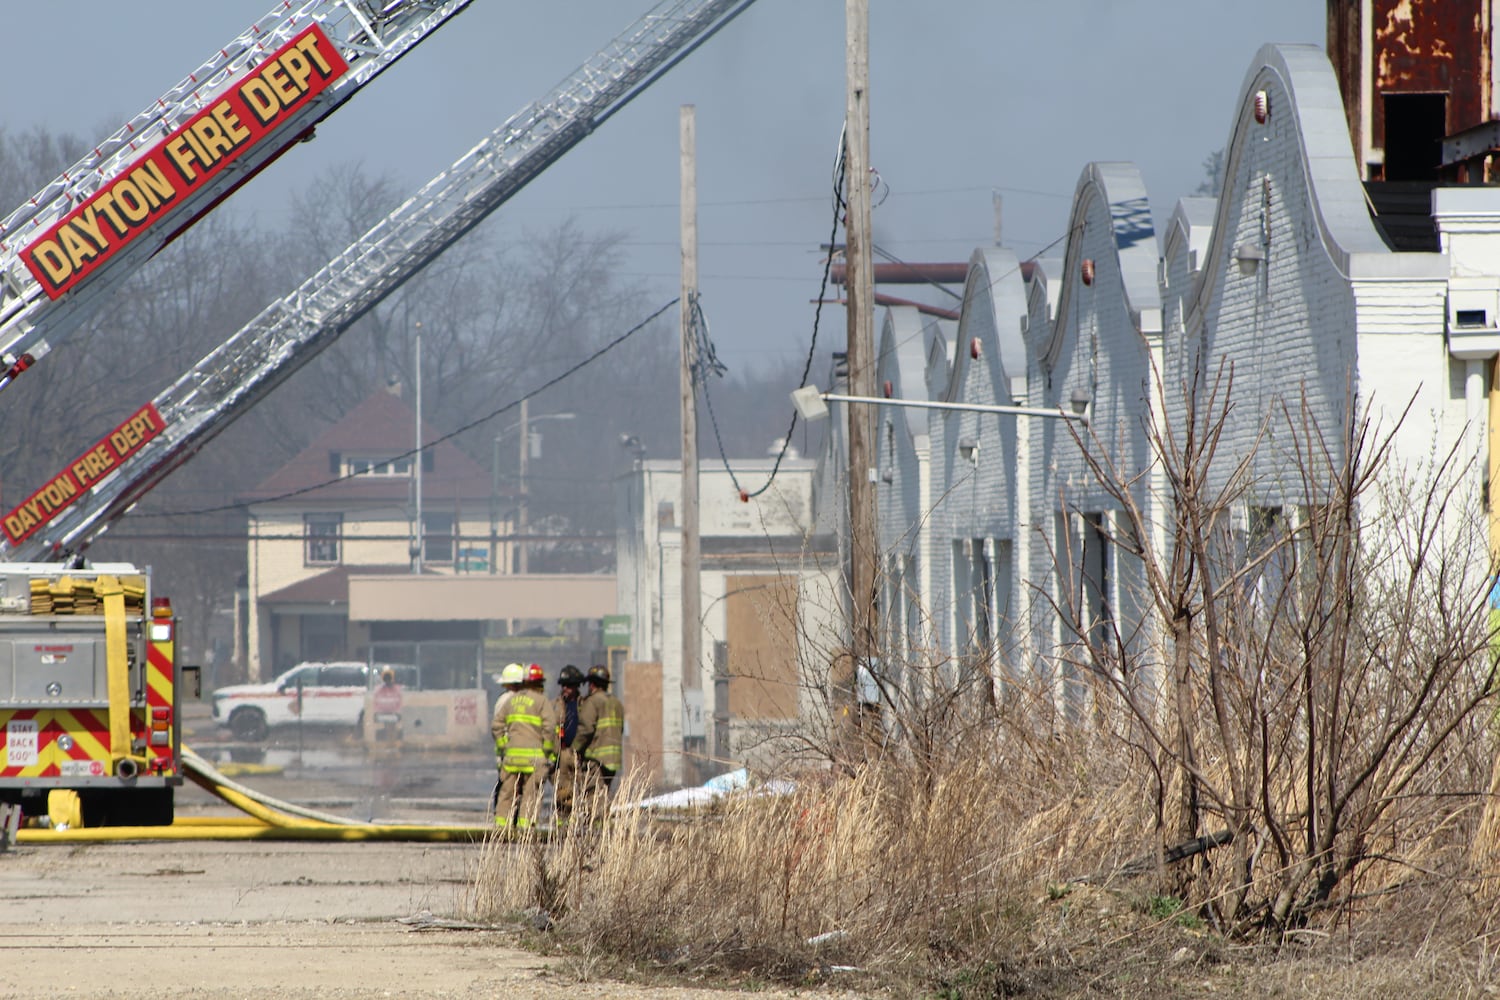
283 920
280 921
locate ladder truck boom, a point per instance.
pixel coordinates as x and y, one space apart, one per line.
63 518
84 233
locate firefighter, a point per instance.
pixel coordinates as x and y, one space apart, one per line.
525 734
510 681
565 706
601 729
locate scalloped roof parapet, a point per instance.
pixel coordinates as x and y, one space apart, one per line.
1192 227
1000 272
939 356
1337 195
1135 235
1118 185
903 359
995 290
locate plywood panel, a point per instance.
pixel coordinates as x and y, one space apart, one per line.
639 688
762 636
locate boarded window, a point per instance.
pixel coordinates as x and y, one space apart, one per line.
762 635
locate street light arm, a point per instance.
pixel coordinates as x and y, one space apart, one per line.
811 404
503 432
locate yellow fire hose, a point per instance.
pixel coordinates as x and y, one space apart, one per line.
266 819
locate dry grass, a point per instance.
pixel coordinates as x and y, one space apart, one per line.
993 871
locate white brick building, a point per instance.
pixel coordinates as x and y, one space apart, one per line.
1289 277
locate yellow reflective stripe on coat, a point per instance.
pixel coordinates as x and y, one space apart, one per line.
534 720
524 758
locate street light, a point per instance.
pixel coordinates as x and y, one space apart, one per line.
813 405
524 424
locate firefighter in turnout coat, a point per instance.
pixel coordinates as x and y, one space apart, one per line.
601 731
566 780
525 731
510 682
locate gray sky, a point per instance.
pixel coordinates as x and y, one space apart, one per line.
967 97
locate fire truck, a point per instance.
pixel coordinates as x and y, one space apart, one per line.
89 685
89 689
124 723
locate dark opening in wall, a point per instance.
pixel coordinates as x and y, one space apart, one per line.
1414 128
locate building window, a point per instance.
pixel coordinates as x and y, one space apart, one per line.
366 465
1414 128
437 538
321 534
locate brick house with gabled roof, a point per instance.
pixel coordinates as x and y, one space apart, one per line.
344 507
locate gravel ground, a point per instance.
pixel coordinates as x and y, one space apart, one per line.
275 921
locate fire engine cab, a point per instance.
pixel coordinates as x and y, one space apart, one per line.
88 693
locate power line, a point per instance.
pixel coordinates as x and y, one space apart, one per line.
998 278
913 269
812 347
410 453
791 199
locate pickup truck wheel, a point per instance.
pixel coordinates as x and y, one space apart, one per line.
248 724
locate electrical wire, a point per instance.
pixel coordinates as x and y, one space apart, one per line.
790 199
410 453
812 347
912 267
1078 229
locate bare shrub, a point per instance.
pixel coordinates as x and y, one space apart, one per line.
1325 665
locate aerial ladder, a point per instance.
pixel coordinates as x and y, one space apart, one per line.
84 233
61 519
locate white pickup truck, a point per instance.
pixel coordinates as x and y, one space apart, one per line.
321 694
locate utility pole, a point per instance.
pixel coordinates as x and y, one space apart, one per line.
417 533
863 553
521 560
495 506
692 596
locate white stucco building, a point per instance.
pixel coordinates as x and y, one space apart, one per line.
769 612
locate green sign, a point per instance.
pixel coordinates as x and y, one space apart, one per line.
616 631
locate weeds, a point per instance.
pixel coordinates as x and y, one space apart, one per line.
1293 754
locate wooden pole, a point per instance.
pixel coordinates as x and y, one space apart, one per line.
692 599
863 554
523 461
418 534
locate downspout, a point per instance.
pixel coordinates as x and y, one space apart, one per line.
1492 463
1021 572
923 447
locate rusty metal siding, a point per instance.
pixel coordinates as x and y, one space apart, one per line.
1343 53
1417 47
1433 46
